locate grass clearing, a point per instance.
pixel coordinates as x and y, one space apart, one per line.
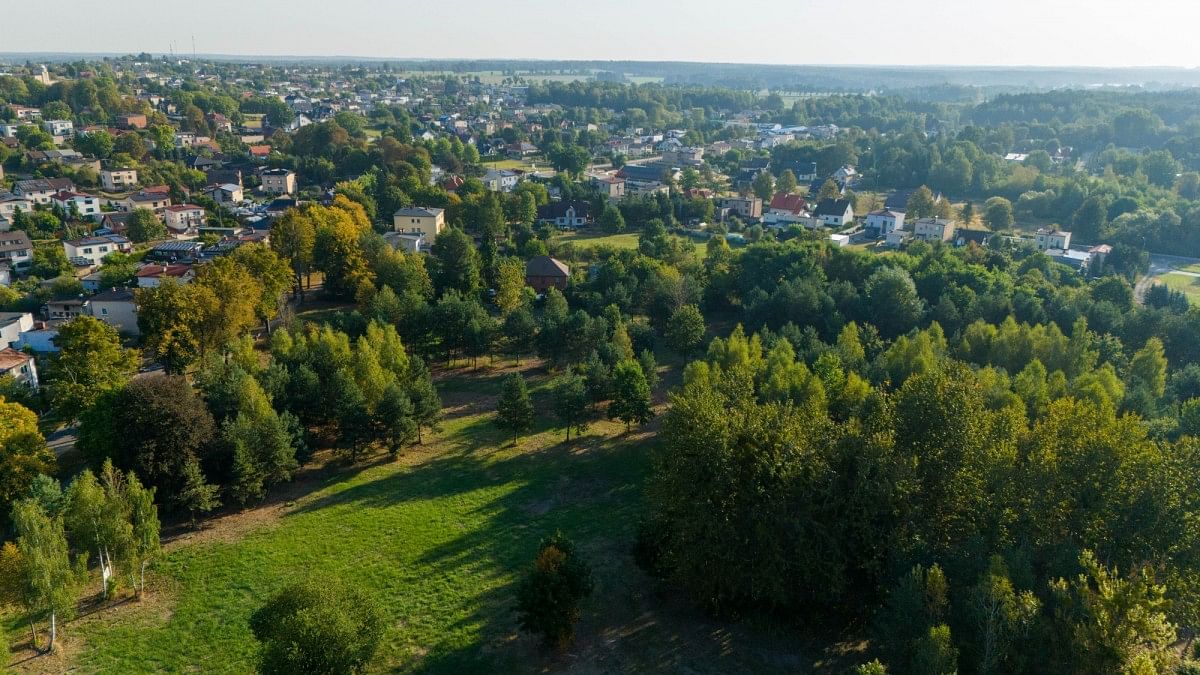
439 537
1184 283
591 238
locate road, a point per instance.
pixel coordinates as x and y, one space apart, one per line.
63 440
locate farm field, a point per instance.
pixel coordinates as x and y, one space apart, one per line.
439 537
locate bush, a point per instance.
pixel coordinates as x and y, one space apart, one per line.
317 627
548 598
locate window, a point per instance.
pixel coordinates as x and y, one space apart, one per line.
87 250
104 311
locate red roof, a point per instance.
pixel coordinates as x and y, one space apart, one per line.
163 271
260 150
783 201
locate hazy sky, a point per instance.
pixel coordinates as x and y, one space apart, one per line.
967 32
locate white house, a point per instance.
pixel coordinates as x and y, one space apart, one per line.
19 365
62 128
12 324
40 190
9 205
184 219
933 229
835 213
85 206
93 250
1048 239
115 307
882 222
500 180
116 180
16 249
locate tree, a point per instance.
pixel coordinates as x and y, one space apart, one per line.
48 585
272 274
787 182
631 395
96 515
143 516
456 263
611 219
172 318
519 331
23 453
293 237
258 441
763 185
1090 218
549 595
318 627
685 329
427 405
394 418
514 410
571 403
196 495
145 225
510 285
49 262
90 363
920 204
998 213
895 306
829 190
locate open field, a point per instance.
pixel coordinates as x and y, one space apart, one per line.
523 164
1187 284
439 537
585 238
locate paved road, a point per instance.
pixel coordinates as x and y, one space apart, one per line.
62 441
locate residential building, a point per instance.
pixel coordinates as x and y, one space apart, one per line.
12 324
683 156
610 186
118 180
9 205
16 249
500 180
184 219
91 251
636 175
19 365
897 202
279 181
226 193
65 309
171 251
83 206
1047 239
132 121
933 229
115 307
428 222
409 243
144 199
152 276
543 272
40 190
565 215
63 128
881 223
834 213
746 208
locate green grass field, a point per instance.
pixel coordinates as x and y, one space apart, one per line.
439 537
1186 284
586 238
523 164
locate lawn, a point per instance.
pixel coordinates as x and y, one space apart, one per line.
439 537
588 238
1184 283
522 164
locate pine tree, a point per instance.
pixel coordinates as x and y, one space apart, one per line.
196 496
394 418
427 405
514 410
571 403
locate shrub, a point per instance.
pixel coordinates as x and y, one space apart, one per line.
548 598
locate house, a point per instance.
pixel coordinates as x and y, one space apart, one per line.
834 213
132 121
963 237
118 180
1080 260
115 307
933 229
409 243
543 272
63 128
1100 253
184 219
40 190
611 187
202 163
152 276
881 223
640 176
217 176
278 181
897 202
12 324
522 149
16 249
84 206
19 365
41 341
683 156
897 238
219 122
803 171
565 215
784 203
25 112
171 251
845 175
143 199
500 180
114 222
9 205
260 153
64 309
428 222
745 207
226 193
91 251
1048 239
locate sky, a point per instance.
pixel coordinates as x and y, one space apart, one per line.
888 32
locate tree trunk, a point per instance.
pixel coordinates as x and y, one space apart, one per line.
142 581
33 632
53 632
420 441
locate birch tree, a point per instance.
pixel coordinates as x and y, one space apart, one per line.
143 517
48 585
98 519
